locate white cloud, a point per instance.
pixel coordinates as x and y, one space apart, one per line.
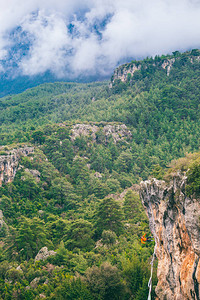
132 28
50 43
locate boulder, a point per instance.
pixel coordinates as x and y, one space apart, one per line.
44 253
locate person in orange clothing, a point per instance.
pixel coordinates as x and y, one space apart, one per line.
145 239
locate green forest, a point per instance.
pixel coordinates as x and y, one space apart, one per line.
78 193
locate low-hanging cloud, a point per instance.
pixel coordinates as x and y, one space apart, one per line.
74 37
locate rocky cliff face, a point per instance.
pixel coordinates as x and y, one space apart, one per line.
123 71
118 132
167 64
2 222
175 224
9 163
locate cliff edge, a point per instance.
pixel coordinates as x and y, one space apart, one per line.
9 162
174 220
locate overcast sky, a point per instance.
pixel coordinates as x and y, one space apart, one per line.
73 37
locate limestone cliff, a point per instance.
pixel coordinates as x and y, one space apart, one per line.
123 71
9 162
175 223
167 64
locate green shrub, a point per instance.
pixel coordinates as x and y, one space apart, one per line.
108 237
3 153
193 179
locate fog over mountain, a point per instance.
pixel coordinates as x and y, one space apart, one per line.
76 39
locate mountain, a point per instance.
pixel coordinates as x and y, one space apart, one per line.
10 85
18 84
160 108
72 156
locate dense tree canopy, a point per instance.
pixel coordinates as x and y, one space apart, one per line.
77 194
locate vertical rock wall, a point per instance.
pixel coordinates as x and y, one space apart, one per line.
123 71
174 221
9 163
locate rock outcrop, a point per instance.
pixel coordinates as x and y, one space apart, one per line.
2 222
85 130
167 64
35 173
44 253
34 283
123 71
174 221
117 131
9 162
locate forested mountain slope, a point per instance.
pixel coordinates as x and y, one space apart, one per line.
76 192
160 108
71 194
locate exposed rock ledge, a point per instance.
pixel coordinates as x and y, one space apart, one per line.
175 223
2 222
44 253
118 132
123 71
9 163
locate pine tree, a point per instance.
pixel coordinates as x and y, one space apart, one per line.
109 217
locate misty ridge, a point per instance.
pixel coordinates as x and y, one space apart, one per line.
89 39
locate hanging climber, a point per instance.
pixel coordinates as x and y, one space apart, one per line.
145 239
